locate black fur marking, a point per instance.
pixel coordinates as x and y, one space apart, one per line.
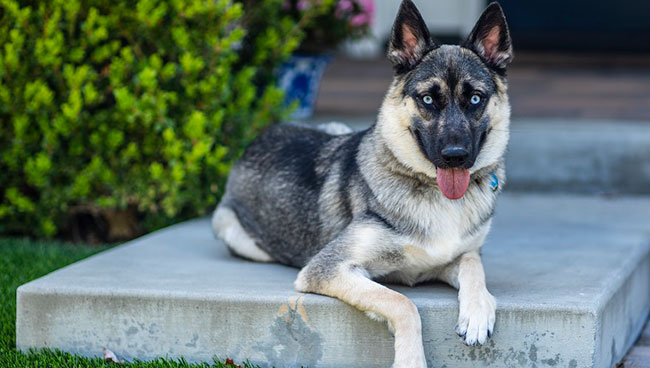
377 217
350 149
477 226
418 138
296 156
452 75
349 168
390 256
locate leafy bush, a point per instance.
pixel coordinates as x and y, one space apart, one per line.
128 110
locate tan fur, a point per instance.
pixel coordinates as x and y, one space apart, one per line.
394 121
423 87
356 289
495 145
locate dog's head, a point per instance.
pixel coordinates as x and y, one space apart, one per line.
447 112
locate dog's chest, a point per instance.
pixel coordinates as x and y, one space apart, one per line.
422 262
442 231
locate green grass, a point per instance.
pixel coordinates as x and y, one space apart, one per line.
22 260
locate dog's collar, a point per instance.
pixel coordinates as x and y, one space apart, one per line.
494 182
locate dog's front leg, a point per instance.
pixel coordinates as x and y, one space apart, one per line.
477 306
333 272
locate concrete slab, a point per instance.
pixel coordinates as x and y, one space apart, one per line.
570 155
571 276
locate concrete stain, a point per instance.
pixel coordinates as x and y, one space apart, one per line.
284 309
292 341
532 353
527 356
303 313
552 362
521 358
192 344
154 329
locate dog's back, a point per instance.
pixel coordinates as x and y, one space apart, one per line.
288 164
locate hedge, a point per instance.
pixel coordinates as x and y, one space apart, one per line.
130 111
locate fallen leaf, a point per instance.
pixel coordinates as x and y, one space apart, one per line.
230 362
110 356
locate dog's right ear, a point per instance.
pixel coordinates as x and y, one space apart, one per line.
410 39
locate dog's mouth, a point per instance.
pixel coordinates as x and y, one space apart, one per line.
453 183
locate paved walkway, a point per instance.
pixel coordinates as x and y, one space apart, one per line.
540 86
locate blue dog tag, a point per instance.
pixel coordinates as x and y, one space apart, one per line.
494 182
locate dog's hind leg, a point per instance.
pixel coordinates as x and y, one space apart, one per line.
226 226
335 272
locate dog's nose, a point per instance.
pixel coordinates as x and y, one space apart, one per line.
455 156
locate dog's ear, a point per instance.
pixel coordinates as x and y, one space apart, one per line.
410 39
490 38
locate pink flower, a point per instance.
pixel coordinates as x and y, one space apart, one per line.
345 5
343 8
303 5
359 20
368 7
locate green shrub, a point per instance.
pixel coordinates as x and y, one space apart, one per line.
129 108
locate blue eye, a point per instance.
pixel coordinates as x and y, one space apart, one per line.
475 99
427 100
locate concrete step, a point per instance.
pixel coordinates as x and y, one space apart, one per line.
568 155
571 276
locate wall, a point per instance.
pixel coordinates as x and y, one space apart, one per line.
444 17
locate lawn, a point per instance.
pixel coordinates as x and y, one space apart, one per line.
22 260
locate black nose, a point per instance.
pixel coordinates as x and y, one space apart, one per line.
454 156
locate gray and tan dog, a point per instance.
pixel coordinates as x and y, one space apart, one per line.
407 200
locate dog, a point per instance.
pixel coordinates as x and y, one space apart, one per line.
408 200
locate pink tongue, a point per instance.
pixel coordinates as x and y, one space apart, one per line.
453 182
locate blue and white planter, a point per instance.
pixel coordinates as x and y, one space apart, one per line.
300 78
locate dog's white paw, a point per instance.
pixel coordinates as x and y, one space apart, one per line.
476 317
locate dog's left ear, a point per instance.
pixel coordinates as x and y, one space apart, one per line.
490 38
410 39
